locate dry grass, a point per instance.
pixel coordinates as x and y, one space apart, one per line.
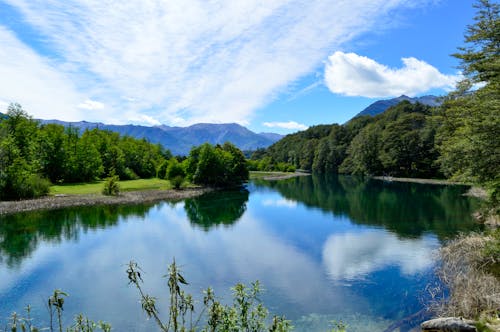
467 265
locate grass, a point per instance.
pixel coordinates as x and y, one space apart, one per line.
95 188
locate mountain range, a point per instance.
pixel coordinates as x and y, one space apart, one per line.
180 140
381 105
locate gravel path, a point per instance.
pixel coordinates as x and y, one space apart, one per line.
132 197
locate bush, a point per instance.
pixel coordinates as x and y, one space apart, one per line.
39 186
175 173
111 186
129 174
19 182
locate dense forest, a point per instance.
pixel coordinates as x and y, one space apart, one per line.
398 142
32 156
457 140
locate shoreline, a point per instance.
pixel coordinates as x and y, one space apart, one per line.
473 191
418 180
129 197
269 176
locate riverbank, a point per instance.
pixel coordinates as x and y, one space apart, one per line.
416 180
130 197
272 176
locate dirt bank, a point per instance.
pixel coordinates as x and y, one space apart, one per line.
132 197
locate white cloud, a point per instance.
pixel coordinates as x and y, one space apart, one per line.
34 82
91 105
354 75
3 106
354 255
200 61
145 119
286 125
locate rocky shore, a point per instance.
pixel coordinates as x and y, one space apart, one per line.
132 197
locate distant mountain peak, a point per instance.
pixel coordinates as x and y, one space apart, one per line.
180 140
381 105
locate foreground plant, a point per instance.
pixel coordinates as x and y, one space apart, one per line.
246 313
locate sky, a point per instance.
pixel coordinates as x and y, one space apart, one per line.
270 65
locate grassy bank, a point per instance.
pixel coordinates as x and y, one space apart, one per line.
95 188
470 270
89 194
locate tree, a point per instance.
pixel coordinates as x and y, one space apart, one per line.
19 166
363 152
23 129
219 166
468 139
236 161
480 57
52 152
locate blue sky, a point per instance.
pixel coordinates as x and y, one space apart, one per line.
274 65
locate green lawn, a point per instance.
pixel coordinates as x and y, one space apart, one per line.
96 187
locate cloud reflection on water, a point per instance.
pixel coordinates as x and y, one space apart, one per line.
355 255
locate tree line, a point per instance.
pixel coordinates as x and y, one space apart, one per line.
457 140
34 155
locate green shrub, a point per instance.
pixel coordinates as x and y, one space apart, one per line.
39 186
129 174
177 181
175 173
111 186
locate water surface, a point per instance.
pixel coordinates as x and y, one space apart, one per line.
338 248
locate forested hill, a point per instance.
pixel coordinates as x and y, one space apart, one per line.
398 142
381 106
179 140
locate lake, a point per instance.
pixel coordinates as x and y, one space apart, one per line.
325 249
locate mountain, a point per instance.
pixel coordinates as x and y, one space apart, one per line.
179 140
381 105
272 136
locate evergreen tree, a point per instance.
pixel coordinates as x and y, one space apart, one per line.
469 138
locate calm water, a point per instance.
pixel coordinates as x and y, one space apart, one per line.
324 248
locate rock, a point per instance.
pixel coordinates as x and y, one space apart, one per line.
448 324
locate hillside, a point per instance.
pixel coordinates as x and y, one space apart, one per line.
382 105
397 142
179 140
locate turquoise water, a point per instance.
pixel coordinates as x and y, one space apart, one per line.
325 249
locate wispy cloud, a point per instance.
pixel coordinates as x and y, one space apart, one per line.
286 125
91 105
184 61
32 80
354 75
